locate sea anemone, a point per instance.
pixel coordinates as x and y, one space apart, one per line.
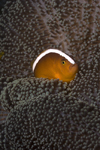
54 122
26 29
28 88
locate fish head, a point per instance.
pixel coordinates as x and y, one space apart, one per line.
66 71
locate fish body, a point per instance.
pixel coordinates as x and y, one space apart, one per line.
54 64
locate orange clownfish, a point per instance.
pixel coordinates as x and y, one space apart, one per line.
54 64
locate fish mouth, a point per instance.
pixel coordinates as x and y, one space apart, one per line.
73 66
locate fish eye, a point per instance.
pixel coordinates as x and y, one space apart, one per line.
63 62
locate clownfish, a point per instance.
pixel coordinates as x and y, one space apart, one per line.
1 54
54 64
